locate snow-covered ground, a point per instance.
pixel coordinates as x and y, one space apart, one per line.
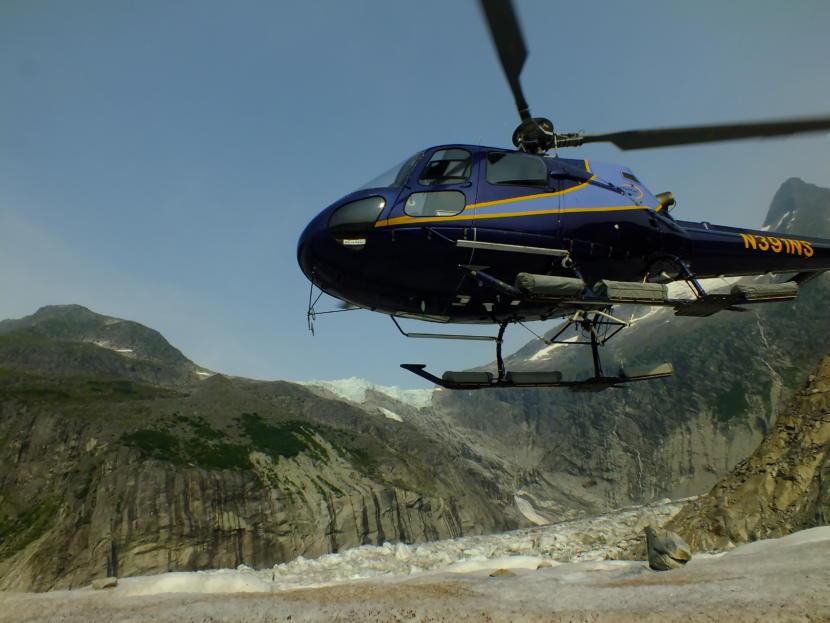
560 572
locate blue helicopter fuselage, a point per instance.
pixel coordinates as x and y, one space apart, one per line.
393 246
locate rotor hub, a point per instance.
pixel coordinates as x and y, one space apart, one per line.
535 135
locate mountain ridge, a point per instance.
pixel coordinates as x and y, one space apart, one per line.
71 339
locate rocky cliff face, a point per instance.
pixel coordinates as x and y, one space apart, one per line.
672 437
105 473
784 486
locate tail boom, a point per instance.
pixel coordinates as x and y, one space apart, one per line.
729 251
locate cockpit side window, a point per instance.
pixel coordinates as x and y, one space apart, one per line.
447 166
516 169
436 203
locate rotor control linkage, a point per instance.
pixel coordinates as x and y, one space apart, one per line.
488 280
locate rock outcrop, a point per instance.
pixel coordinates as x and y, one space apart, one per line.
665 550
784 486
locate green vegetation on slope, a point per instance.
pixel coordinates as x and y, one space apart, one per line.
195 442
17 532
286 439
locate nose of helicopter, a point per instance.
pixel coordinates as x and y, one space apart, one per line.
334 238
314 246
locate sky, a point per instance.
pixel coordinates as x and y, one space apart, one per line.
159 159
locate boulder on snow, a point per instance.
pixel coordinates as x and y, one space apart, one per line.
502 573
666 550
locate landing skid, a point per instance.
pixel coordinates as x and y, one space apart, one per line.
596 322
482 380
599 326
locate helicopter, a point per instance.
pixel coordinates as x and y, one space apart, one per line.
470 234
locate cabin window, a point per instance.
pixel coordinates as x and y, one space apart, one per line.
437 203
447 166
516 169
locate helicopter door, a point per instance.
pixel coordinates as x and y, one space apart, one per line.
434 207
446 180
517 199
517 206
440 194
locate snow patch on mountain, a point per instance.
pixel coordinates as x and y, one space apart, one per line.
118 348
780 225
354 390
547 352
390 415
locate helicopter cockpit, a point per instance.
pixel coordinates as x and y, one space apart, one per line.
465 186
454 165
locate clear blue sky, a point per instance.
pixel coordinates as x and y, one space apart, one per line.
158 159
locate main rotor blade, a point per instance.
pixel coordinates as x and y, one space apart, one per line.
507 37
642 139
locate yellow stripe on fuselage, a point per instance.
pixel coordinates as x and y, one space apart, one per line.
475 217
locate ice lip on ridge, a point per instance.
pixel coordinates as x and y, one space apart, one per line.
354 389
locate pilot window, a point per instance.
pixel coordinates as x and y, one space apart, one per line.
516 169
439 203
447 166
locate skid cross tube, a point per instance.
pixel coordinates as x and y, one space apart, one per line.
499 359
599 326
595 350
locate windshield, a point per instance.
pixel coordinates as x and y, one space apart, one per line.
394 177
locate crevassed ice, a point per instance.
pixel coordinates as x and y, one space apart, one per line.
580 540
